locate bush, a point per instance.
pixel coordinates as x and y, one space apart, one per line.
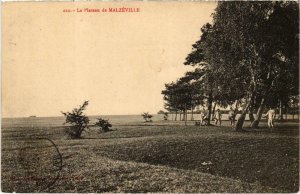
78 120
103 124
147 117
160 112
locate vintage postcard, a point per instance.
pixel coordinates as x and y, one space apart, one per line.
150 96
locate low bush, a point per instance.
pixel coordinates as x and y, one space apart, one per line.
103 124
147 117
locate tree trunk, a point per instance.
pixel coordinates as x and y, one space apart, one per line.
185 120
259 113
213 111
176 115
180 115
78 132
192 116
186 115
209 108
280 111
251 116
240 122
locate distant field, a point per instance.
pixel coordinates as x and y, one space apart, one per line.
163 156
114 119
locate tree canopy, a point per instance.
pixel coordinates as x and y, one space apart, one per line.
248 54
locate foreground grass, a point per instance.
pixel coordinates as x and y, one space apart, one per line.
162 159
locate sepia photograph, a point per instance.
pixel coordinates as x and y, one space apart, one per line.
150 97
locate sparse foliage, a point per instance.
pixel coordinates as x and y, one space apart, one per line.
161 112
103 124
147 117
78 120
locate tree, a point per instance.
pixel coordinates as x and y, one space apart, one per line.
216 86
262 39
293 105
247 51
78 120
171 98
181 96
166 116
147 117
195 88
103 124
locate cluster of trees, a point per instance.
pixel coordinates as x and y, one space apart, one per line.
184 94
166 114
80 122
247 58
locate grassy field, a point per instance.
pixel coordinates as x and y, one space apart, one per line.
160 157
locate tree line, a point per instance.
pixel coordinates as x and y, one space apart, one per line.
246 58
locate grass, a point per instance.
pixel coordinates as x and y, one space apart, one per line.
164 158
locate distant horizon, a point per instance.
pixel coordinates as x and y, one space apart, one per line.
94 115
36 116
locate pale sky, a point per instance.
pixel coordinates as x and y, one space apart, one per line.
53 61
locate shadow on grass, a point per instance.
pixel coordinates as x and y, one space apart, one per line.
279 129
269 160
111 137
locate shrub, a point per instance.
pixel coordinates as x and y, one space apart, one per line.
78 120
147 117
160 112
103 124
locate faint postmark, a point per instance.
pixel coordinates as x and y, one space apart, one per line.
39 165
